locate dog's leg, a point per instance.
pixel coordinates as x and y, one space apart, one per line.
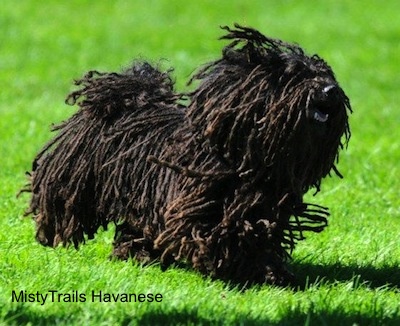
136 242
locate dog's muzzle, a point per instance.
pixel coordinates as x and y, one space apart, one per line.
324 104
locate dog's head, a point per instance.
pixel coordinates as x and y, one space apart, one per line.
267 106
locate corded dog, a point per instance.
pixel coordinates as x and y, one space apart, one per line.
213 178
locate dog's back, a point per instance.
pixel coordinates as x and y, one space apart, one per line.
94 170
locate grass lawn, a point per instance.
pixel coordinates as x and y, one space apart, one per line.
349 273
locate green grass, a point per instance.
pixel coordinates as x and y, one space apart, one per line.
349 273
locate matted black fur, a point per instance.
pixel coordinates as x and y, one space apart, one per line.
217 183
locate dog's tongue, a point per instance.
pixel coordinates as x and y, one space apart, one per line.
319 116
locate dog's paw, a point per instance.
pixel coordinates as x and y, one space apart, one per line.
279 276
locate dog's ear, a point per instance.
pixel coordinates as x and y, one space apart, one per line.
250 108
236 99
222 111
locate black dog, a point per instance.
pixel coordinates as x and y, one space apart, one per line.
217 183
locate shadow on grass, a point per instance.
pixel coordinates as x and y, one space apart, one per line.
295 317
23 315
313 274
372 277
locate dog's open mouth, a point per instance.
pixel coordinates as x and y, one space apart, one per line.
318 115
325 101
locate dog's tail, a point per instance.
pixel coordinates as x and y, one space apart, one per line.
105 95
82 178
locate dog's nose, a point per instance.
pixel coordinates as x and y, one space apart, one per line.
330 90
